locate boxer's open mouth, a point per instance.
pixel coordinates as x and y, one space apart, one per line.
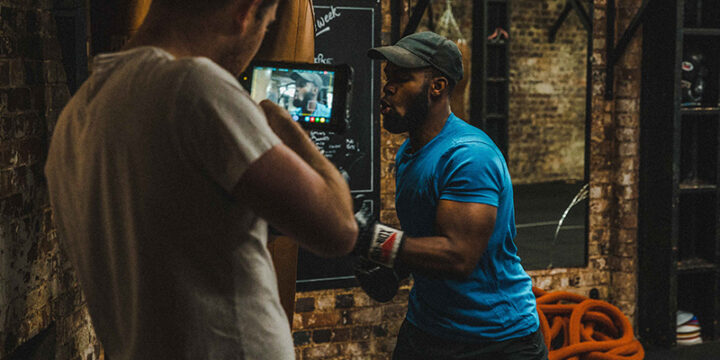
384 107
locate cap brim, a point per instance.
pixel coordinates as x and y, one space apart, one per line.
296 76
398 56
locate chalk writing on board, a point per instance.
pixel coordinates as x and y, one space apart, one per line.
321 59
344 30
356 20
343 152
322 23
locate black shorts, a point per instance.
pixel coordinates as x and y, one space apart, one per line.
414 344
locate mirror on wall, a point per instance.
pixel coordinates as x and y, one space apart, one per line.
548 110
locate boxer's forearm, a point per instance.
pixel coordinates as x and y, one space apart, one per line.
437 256
296 139
334 193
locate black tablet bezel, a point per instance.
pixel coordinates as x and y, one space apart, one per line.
342 86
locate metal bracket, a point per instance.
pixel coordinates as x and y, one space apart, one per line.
615 52
411 27
570 5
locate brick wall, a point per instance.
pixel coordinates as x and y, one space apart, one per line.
346 324
37 287
546 128
614 159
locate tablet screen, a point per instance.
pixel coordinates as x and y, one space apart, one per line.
306 94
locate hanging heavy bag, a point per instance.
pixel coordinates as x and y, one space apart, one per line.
291 38
458 100
448 27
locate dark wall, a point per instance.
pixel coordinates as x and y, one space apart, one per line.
41 308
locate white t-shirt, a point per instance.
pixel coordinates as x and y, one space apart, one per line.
140 170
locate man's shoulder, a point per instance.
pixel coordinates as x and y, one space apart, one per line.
154 68
202 74
462 135
472 147
204 82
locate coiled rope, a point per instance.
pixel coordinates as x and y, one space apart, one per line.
576 327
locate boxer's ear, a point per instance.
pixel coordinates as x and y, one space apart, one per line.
244 11
438 85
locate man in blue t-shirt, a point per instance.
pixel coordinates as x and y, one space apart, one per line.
307 90
471 297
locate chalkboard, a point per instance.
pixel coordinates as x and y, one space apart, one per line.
344 31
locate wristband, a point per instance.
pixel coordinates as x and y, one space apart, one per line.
385 244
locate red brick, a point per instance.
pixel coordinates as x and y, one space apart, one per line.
394 311
325 319
321 336
19 99
344 301
367 315
304 304
355 348
325 302
301 338
321 351
4 73
361 332
341 335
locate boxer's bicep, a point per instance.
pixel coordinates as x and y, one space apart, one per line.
468 227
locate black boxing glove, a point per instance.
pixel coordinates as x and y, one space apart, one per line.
377 242
379 282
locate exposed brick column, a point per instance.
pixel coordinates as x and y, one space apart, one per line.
37 287
615 157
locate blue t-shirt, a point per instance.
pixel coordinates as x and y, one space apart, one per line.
321 110
496 302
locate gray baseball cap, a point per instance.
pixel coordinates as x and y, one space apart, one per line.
309 77
423 49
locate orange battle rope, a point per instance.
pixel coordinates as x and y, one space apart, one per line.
576 327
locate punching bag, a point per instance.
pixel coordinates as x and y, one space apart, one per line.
292 35
112 22
291 38
137 9
457 100
448 27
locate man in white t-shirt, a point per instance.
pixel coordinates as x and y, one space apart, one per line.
164 174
